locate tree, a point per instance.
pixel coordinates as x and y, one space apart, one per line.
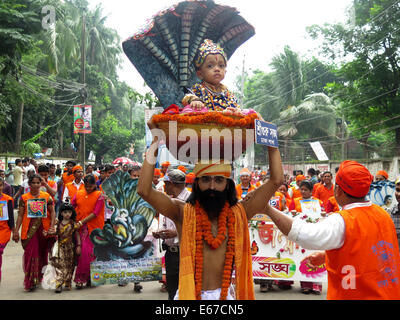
369 96
19 22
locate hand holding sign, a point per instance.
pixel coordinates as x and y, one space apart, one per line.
266 134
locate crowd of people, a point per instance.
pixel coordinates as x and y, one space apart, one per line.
71 204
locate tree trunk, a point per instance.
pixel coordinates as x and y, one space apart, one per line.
61 141
18 135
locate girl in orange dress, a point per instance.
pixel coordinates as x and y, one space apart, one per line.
6 220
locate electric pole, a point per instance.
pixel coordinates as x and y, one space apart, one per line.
83 80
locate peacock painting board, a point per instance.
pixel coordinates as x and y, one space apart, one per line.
123 249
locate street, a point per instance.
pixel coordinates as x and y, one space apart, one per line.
11 287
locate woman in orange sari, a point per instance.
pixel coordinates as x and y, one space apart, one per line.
6 220
34 207
89 205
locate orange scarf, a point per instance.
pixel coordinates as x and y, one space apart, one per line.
243 261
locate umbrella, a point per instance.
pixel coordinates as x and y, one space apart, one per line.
164 50
123 160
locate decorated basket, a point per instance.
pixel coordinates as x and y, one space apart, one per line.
207 136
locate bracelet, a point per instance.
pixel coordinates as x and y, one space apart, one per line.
196 99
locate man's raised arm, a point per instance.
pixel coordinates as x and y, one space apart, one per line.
158 200
256 200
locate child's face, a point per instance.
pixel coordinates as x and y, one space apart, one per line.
213 70
66 214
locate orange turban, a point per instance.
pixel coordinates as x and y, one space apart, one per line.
300 177
245 172
165 164
157 172
354 179
76 168
383 173
213 169
190 177
182 168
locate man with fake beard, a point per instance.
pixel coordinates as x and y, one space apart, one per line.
212 227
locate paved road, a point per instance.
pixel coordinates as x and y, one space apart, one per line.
11 287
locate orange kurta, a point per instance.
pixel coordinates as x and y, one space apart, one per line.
243 261
296 205
5 231
25 220
296 193
72 189
239 191
47 221
66 178
323 194
369 257
332 205
85 205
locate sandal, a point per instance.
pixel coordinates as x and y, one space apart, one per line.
79 285
306 290
58 289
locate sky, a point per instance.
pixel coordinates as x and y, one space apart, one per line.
277 23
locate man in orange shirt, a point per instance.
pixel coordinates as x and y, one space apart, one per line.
369 272
77 184
245 186
67 176
325 190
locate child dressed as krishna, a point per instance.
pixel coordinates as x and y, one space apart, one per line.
211 94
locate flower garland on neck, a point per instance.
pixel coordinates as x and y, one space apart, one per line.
226 221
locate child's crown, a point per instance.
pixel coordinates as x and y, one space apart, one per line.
209 47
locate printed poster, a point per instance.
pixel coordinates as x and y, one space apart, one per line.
82 119
3 211
138 270
311 208
37 208
276 258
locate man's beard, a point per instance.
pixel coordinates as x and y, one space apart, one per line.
212 202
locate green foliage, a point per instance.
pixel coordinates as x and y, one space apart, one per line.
109 138
19 22
369 94
53 86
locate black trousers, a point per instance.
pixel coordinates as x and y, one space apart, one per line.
172 272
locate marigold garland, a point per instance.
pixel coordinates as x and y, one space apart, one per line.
226 220
216 117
